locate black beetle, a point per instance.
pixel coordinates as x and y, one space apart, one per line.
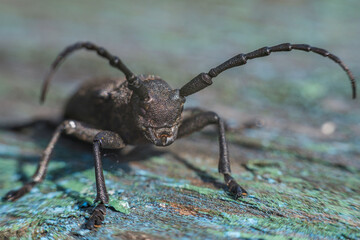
113 113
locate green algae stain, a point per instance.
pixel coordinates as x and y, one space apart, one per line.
119 205
79 182
159 160
270 168
232 219
79 186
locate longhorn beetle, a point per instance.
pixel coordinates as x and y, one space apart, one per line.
113 113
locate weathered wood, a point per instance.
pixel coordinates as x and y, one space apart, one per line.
303 184
172 194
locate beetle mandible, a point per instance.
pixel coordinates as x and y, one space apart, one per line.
140 109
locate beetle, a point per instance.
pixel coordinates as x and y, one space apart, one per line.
141 109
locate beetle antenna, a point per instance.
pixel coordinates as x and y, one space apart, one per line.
204 79
134 82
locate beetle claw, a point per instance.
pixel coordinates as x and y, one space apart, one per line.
14 195
238 191
97 217
234 188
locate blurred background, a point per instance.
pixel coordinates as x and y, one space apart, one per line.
306 151
179 39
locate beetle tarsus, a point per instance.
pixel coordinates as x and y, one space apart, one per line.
234 188
14 195
97 217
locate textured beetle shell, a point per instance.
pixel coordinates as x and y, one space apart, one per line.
105 104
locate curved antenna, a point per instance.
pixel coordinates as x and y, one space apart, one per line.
134 82
204 79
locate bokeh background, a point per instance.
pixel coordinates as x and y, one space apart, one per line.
178 40
299 96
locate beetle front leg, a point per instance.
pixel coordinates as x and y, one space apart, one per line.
40 173
102 140
69 127
197 122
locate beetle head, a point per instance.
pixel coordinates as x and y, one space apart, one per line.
159 114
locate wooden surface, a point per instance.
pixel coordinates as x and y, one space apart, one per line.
301 169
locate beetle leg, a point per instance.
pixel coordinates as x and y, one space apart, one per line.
102 140
69 127
42 167
197 122
249 124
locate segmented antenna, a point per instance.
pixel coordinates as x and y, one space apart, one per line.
204 79
134 82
